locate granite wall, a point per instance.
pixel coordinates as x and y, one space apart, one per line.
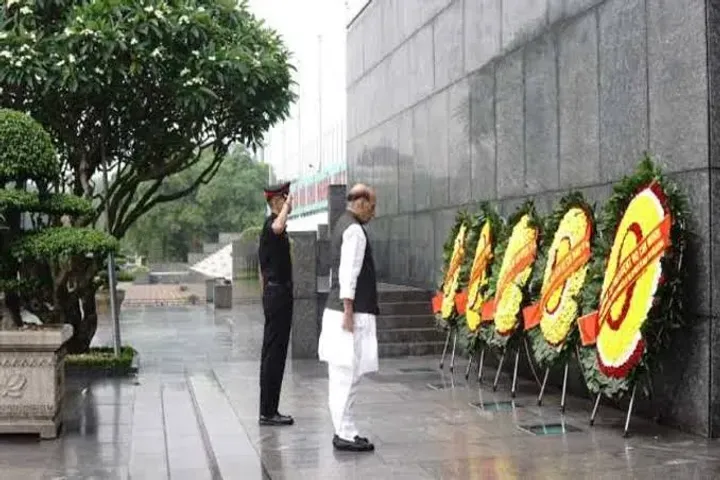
455 102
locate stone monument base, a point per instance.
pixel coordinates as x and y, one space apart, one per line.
46 429
32 380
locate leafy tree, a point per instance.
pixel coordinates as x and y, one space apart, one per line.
231 202
147 87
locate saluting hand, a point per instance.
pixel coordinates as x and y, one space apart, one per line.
289 202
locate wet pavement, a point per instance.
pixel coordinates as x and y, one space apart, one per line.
191 413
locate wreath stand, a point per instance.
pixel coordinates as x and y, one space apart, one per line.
452 332
627 417
481 361
513 389
564 387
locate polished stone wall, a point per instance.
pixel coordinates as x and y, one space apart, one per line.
455 102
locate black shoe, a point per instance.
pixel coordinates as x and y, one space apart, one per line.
276 420
359 444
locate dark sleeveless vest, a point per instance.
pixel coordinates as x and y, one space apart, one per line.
366 296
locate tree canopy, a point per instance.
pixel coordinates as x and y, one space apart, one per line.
148 86
231 202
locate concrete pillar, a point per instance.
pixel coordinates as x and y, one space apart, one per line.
223 295
209 290
337 203
323 257
305 333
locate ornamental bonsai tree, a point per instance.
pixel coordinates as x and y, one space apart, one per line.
43 258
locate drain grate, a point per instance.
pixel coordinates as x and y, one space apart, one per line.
541 429
417 370
496 406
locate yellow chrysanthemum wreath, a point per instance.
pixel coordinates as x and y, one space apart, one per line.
508 289
558 278
486 226
479 277
633 296
453 259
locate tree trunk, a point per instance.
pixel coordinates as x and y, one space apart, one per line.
60 302
84 321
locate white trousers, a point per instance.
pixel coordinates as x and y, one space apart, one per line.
349 356
357 349
342 389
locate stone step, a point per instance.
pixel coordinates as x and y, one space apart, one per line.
409 335
232 453
385 322
402 296
187 452
388 350
405 308
148 456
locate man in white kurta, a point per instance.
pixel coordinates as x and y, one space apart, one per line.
348 341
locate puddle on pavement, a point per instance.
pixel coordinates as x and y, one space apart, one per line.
541 429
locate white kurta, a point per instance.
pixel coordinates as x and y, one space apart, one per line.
349 355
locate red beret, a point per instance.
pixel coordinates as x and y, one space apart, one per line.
274 190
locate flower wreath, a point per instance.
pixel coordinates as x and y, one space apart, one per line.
645 221
486 226
558 277
443 303
507 292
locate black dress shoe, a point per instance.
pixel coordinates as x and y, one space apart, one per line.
359 444
276 420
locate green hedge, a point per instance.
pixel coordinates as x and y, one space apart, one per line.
58 204
125 276
61 242
250 233
102 360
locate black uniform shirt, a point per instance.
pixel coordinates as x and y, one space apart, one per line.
274 254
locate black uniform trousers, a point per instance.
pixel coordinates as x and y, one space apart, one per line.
278 309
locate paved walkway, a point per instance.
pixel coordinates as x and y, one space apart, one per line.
192 413
182 294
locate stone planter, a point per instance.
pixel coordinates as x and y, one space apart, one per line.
102 301
32 380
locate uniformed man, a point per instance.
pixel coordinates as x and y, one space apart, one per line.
348 341
276 270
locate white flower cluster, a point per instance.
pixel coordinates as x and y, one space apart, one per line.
158 11
19 57
194 81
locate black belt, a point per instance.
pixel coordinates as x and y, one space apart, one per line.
279 284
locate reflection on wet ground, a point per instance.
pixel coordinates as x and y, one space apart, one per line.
192 413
